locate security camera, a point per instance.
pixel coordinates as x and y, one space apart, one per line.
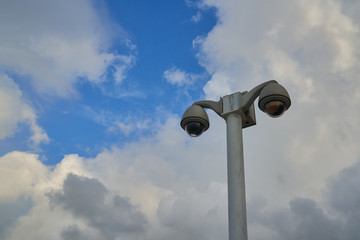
195 120
274 100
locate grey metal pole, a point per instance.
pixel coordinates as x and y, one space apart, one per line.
236 178
238 111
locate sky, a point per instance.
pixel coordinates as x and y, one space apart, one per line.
92 93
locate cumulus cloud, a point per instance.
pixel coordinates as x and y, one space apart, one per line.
25 171
334 217
304 219
295 42
73 232
10 212
55 43
123 193
311 48
154 189
344 196
193 215
14 110
62 203
75 205
179 77
86 198
178 183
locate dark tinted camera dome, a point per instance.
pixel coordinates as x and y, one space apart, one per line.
275 108
194 129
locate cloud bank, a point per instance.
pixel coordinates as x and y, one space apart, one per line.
309 47
56 43
301 170
122 195
14 110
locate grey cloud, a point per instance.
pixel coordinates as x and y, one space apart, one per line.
302 221
74 233
351 8
306 219
311 221
344 189
82 196
88 199
10 211
193 215
344 196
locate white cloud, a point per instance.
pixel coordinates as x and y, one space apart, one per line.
116 123
196 18
56 42
179 77
158 188
311 48
302 41
129 126
15 110
24 176
24 170
139 176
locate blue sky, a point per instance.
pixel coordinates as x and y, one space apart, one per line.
161 39
92 93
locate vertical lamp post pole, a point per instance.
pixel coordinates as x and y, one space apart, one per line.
238 111
235 168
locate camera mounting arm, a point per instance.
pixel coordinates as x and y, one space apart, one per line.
215 106
274 100
249 97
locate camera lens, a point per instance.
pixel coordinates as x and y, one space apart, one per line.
275 108
194 129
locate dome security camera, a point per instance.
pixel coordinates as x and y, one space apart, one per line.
274 100
195 120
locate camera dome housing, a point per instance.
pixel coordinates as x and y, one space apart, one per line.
195 120
274 100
